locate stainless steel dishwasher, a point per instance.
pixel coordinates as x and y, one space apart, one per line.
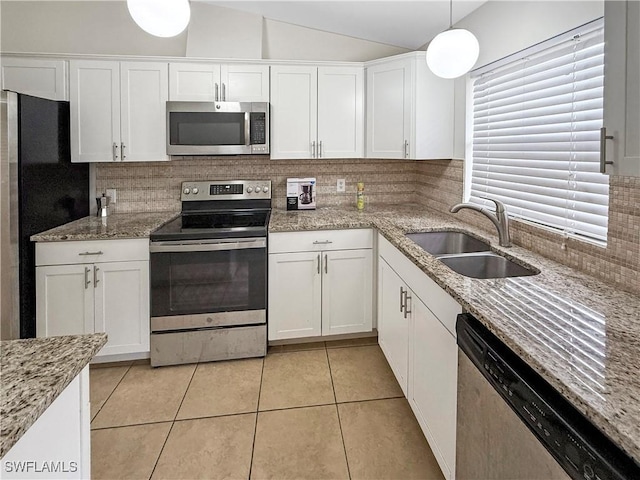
513 425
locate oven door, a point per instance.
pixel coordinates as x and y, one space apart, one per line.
212 283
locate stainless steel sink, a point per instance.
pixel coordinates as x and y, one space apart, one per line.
448 242
485 265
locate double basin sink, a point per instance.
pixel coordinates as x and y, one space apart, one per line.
467 255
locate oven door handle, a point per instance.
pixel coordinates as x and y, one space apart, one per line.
170 247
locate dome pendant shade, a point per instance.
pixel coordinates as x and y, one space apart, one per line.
162 18
453 53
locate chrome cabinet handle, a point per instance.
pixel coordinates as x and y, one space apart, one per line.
215 96
406 149
115 151
313 149
406 302
402 292
320 149
603 150
323 242
122 145
95 276
224 92
87 282
318 264
326 263
99 252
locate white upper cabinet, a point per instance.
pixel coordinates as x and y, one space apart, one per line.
118 111
294 111
317 112
40 78
409 110
143 93
200 82
622 87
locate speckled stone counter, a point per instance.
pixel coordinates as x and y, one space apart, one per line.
581 335
119 225
34 372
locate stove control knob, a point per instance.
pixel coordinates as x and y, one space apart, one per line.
265 189
258 189
249 189
186 191
195 190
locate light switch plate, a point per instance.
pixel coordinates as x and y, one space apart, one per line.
340 185
111 192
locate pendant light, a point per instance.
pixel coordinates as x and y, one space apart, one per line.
162 18
453 52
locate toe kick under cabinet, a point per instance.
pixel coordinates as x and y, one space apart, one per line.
320 283
95 286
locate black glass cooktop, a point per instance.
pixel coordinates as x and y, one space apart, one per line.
228 223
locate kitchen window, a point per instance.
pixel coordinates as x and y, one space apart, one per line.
536 134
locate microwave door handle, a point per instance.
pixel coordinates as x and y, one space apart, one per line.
247 128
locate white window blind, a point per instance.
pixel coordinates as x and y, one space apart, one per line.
536 134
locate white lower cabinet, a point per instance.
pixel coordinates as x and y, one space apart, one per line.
60 438
320 283
98 293
416 331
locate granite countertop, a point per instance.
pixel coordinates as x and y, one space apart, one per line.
34 372
580 334
118 225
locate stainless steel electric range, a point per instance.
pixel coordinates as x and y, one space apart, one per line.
209 274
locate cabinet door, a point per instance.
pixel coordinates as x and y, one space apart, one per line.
389 109
122 306
64 300
198 82
94 93
393 327
621 93
295 289
347 292
245 83
340 112
433 372
144 94
294 112
40 78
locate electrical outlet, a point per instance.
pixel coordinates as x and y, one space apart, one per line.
111 192
341 185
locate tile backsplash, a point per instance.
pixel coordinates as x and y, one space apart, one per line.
155 186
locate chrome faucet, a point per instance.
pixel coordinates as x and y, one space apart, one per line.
499 219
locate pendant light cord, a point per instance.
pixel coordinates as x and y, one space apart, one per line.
450 14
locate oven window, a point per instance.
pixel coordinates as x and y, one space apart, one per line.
185 283
206 128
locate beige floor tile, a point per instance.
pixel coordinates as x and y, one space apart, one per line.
208 448
145 395
296 347
301 443
296 379
362 373
102 381
223 388
352 342
384 441
127 452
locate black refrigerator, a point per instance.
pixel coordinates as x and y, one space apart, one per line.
49 190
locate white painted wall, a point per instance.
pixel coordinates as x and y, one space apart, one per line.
105 27
284 41
218 32
506 27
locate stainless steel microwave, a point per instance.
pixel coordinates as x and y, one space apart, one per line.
217 128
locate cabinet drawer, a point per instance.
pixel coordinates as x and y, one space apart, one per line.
317 240
92 251
441 304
